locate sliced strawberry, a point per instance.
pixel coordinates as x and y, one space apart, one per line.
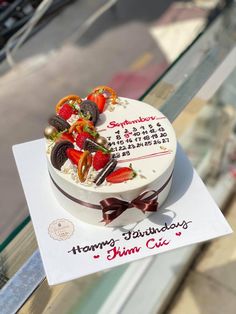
74 155
65 136
100 160
66 111
81 137
99 100
121 175
68 137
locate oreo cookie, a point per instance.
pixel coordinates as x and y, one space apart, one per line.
58 154
92 146
110 166
89 108
59 123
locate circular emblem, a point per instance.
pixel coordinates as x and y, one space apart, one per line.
61 229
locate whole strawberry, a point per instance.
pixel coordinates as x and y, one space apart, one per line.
66 111
99 100
121 175
81 137
100 160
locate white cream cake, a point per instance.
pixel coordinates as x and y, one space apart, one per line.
139 137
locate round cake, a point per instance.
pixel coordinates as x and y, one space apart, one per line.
110 159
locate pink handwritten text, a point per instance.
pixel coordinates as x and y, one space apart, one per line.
114 124
155 244
118 252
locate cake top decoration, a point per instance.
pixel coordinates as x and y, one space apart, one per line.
102 140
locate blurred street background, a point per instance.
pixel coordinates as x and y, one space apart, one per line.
61 59
127 45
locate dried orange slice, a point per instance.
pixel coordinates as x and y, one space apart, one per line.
65 99
84 164
111 91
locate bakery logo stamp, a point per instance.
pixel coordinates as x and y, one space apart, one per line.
61 229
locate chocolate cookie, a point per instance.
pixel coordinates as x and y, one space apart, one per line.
59 123
89 108
58 154
92 146
110 166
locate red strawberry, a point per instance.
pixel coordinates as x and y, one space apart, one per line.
66 111
99 100
74 155
100 160
67 137
121 175
81 137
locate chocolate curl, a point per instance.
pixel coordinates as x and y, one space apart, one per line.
113 207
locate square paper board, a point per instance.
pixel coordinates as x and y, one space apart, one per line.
71 249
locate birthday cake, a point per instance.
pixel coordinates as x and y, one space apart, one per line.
110 159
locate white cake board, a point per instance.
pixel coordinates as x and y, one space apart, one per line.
71 249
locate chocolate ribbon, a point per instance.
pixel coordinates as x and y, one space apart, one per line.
113 207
